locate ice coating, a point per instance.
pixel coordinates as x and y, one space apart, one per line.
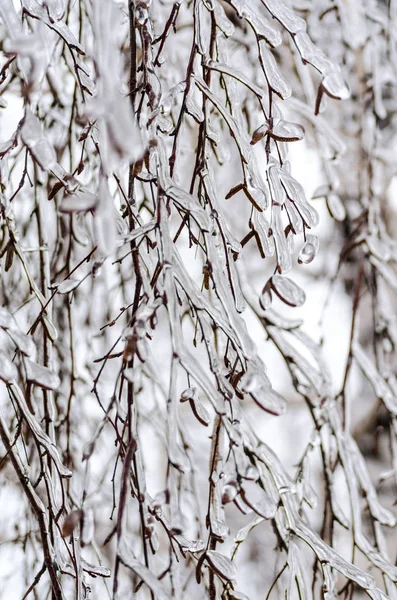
288 290
167 266
272 73
34 138
41 376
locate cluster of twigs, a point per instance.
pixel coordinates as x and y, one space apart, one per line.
147 169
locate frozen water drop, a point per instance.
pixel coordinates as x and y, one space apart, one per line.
309 250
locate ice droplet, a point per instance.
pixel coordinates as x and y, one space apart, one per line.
277 189
229 492
309 250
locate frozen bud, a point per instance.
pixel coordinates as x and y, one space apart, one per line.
140 328
71 522
128 332
88 450
229 492
259 133
160 499
149 526
97 268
